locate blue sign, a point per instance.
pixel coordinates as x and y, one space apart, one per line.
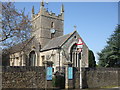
49 73
70 72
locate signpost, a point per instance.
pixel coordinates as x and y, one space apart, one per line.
79 49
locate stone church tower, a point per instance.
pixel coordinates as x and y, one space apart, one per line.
46 25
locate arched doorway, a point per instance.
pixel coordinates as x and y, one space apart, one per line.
32 58
74 56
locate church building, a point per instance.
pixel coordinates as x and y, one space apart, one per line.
48 43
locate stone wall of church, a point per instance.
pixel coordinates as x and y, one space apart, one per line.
69 43
52 55
21 57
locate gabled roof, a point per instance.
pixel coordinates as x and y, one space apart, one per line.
57 42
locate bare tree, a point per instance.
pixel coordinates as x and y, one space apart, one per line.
16 26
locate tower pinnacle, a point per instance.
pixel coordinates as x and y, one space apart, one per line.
33 10
62 8
42 3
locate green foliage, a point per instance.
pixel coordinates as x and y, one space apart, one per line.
92 62
53 81
110 55
58 81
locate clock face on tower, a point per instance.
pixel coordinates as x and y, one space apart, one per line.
52 30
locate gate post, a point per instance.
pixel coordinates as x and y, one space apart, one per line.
48 84
67 64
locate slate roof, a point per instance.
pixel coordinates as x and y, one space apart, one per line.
18 47
57 42
52 44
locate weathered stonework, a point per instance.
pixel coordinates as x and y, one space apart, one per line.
23 77
42 24
98 77
70 42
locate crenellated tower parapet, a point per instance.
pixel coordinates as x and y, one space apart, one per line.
44 12
47 25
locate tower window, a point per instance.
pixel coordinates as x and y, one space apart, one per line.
52 25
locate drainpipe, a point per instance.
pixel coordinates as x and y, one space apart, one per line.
59 48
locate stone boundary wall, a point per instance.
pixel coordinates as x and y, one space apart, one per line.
35 77
23 77
98 77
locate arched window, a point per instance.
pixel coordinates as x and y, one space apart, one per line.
72 52
74 56
32 58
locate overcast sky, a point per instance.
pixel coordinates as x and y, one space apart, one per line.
95 21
